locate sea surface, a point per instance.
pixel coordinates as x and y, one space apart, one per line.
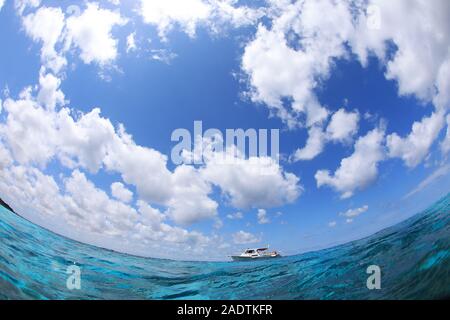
414 257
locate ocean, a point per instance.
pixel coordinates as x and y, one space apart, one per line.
413 256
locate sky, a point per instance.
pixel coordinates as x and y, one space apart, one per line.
92 91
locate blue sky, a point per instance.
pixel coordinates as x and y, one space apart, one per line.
230 66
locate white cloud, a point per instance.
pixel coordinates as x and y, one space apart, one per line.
36 135
421 64
251 183
164 14
86 210
303 42
332 224
91 33
343 126
46 25
299 48
120 192
358 170
131 160
29 131
419 30
415 147
262 217
190 202
85 141
188 15
105 215
351 214
227 11
268 54
49 93
2 2
242 237
314 145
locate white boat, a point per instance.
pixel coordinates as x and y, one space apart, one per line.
256 254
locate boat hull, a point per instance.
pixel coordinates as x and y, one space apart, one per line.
242 258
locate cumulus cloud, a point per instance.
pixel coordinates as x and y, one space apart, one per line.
418 29
120 192
36 135
332 224
256 182
341 128
314 145
38 130
420 65
358 170
299 48
132 160
49 93
28 130
46 26
242 237
2 2
88 210
230 12
77 201
415 147
165 15
301 45
190 202
105 215
91 33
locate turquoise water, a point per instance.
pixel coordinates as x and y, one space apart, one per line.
414 258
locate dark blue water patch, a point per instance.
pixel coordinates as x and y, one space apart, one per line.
414 258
